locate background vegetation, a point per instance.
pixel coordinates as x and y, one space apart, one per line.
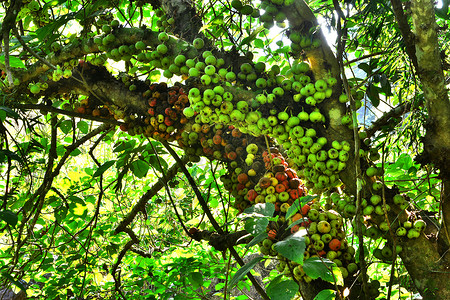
224 149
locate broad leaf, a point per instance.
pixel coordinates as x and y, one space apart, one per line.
244 270
282 289
262 209
103 168
15 282
9 112
316 267
293 209
373 94
297 205
11 155
83 126
9 217
256 226
196 279
293 247
325 295
259 238
139 168
66 126
14 62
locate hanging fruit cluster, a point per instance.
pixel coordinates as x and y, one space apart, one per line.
281 186
92 106
165 120
325 238
285 110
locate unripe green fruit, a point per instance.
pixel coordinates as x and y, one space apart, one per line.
205 79
246 68
343 98
316 116
398 199
231 76
179 59
401 231
106 28
140 45
167 73
371 171
110 38
261 83
420 225
163 37
194 72
115 23
198 43
35 89
190 62
210 70
162 49
188 112
413 233
210 60
320 85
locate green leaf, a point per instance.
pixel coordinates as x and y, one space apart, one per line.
66 126
296 206
61 213
83 126
10 154
153 160
293 247
244 270
256 226
47 30
259 43
316 267
75 152
373 94
2 115
139 168
293 209
365 67
325 295
124 146
14 62
15 282
385 86
259 238
103 168
282 289
9 112
196 279
9 217
261 209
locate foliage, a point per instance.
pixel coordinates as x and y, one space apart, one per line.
222 150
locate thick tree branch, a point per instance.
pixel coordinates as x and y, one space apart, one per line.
405 30
387 117
437 139
51 109
222 241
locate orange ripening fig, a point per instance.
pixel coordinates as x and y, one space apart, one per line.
272 234
296 217
280 188
295 228
305 209
335 244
